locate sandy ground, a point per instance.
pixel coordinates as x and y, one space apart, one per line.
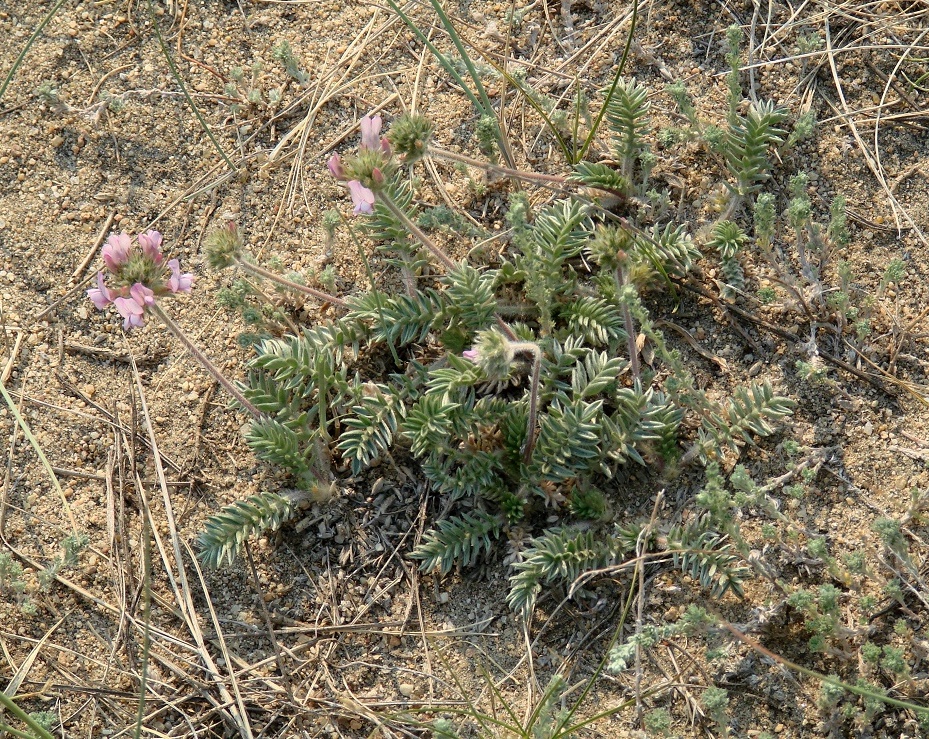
327 629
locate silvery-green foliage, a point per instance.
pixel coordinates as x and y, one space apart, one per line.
519 390
747 143
627 117
728 239
226 532
559 555
601 177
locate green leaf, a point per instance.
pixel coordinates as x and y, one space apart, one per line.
226 532
559 555
458 539
371 430
601 177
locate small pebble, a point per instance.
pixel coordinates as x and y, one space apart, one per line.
406 689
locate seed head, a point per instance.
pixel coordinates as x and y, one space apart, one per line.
410 136
223 246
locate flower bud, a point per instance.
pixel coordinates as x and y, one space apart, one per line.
223 246
494 353
410 135
336 168
610 246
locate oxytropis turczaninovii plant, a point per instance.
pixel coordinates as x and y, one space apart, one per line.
519 386
137 278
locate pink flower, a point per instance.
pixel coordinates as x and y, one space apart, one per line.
336 168
177 282
370 132
150 242
362 197
116 251
131 311
101 295
471 354
142 295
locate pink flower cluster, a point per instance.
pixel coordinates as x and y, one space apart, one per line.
371 140
143 274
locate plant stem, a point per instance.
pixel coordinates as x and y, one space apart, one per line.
290 285
204 361
22 54
630 326
180 82
453 156
527 347
735 200
270 301
397 211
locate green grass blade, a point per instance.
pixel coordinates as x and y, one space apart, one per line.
506 706
472 71
11 706
441 58
516 84
616 77
484 105
29 43
180 82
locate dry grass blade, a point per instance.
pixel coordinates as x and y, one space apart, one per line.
245 726
27 432
20 675
92 252
874 165
11 361
179 582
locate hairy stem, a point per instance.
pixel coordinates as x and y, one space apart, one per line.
735 200
630 327
270 301
290 285
204 361
424 239
453 156
527 347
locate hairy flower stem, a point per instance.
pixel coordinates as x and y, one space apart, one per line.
527 347
630 326
284 282
452 156
204 361
270 301
735 200
401 216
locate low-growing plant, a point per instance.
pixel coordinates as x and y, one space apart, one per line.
528 386
519 387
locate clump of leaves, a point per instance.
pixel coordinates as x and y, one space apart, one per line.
519 387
